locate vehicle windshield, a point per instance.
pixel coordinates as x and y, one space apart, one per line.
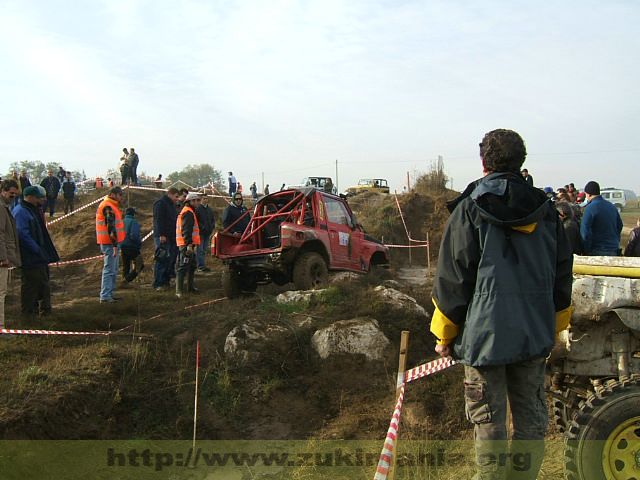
365 181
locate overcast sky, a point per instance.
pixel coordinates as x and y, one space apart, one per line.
287 87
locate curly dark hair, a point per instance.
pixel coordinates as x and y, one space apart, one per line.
502 150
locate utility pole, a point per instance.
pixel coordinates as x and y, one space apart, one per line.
408 183
263 181
336 184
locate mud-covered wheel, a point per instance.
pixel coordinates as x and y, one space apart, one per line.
249 284
565 409
603 441
231 282
310 271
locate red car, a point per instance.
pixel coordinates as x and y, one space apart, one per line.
296 235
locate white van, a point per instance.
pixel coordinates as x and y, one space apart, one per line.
619 197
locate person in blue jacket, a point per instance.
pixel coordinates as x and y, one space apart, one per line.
36 251
131 246
601 224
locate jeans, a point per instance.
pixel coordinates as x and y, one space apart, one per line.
203 248
35 293
68 205
109 270
486 390
164 268
50 205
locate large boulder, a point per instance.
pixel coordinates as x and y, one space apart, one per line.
256 340
356 336
399 301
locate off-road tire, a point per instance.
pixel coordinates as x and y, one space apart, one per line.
310 271
565 410
592 433
231 282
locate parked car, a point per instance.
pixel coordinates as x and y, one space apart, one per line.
379 185
321 183
619 197
296 235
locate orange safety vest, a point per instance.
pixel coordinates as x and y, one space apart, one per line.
102 232
195 235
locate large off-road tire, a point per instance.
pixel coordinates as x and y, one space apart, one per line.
564 410
231 282
310 271
604 437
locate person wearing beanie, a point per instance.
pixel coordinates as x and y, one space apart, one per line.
131 247
601 224
501 292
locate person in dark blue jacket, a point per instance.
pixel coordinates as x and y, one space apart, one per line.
36 251
601 224
131 246
164 237
232 213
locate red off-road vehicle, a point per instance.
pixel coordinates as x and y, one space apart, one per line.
296 235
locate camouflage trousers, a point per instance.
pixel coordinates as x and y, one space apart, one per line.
486 390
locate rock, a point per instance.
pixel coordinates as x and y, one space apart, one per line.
400 301
356 336
255 340
295 296
343 276
391 284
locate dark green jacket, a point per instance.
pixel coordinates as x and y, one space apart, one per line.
504 272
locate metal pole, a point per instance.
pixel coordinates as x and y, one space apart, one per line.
428 255
263 181
409 249
402 367
408 183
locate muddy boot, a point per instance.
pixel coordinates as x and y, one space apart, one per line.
179 284
190 286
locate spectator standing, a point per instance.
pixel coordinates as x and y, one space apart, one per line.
110 234
527 178
68 192
233 183
232 213
283 187
133 165
570 225
266 189
633 247
131 246
501 292
188 240
158 181
601 224
51 184
164 238
124 166
36 252
9 243
207 222
24 181
61 174
254 191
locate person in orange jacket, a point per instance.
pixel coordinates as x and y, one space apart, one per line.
110 233
187 240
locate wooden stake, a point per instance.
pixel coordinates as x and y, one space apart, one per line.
195 401
402 367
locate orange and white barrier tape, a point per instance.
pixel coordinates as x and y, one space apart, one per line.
86 205
386 456
384 463
14 331
80 260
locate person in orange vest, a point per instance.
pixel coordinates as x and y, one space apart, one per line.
110 233
99 183
187 239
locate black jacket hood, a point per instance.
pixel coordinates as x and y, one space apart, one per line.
505 199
